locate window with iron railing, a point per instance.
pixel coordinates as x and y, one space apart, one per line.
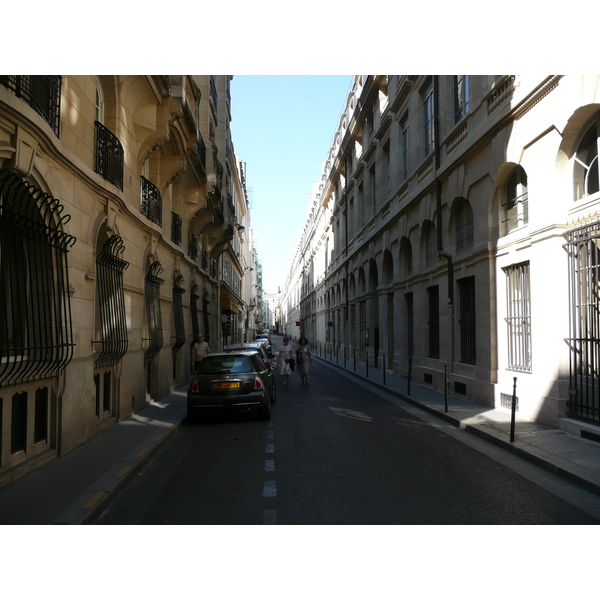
192 246
433 294
153 313
176 229
41 92
204 263
113 339
109 156
151 202
36 339
213 268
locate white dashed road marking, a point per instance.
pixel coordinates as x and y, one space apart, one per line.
269 489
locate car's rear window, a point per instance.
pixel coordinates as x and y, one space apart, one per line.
213 365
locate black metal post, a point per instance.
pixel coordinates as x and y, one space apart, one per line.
409 375
383 358
354 356
513 410
367 363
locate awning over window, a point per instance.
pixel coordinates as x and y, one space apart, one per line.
229 303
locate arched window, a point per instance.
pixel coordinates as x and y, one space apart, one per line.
516 212
464 227
585 169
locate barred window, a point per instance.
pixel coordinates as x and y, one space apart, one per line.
194 297
518 317
586 167
110 296
152 292
36 338
151 202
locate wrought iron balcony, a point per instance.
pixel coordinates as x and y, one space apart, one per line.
176 229
41 92
151 202
213 92
109 156
192 246
204 263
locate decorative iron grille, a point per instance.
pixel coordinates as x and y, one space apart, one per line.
111 300
213 268
176 229
192 246
109 156
152 292
178 292
584 325
204 263
36 338
41 92
151 202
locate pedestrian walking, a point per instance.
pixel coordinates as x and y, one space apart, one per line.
303 358
286 359
199 350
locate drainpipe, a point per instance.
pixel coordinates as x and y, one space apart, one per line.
438 199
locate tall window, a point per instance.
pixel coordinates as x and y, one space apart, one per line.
35 316
153 313
110 297
464 227
409 323
428 121
518 317
404 147
585 172
431 255
373 189
433 294
388 170
461 96
466 288
516 211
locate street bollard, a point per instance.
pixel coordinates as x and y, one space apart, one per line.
367 363
513 410
354 356
409 375
383 359
337 354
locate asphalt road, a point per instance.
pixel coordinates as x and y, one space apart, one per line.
337 452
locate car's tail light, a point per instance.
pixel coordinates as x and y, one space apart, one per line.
258 384
194 387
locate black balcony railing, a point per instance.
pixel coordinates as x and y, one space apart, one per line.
176 229
213 268
41 92
204 263
192 246
109 156
151 202
213 92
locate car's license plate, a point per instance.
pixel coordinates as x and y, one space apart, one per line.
226 385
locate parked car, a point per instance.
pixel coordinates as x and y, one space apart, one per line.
265 346
263 337
231 381
259 348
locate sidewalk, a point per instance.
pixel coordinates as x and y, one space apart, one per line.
76 488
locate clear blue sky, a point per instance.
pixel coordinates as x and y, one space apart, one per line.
283 127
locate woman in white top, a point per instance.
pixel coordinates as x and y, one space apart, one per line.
286 353
303 358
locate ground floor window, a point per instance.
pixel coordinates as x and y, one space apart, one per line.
518 317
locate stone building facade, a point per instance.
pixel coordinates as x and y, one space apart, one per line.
455 230
124 230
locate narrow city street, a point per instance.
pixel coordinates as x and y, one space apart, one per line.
335 452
